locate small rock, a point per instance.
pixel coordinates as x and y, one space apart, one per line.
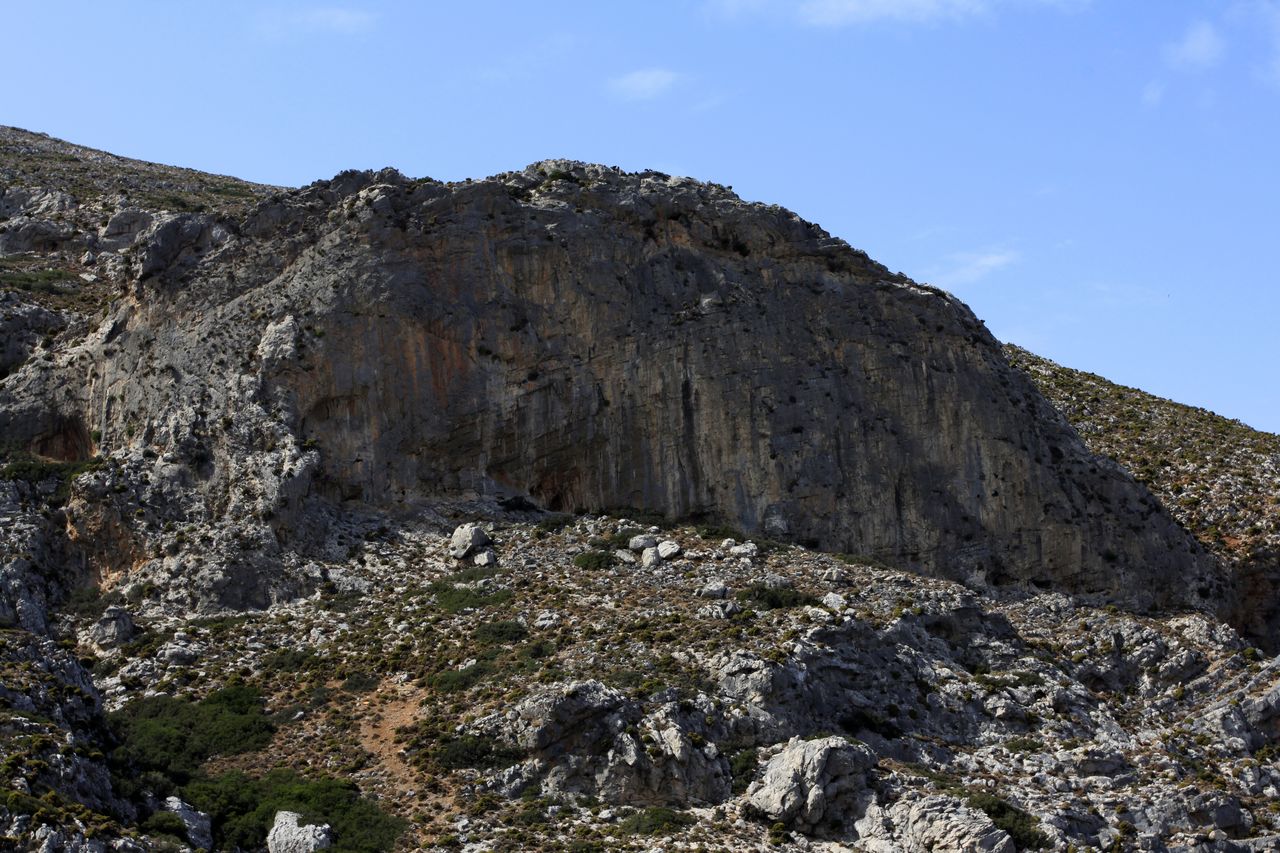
625 556
644 540
649 558
713 588
746 549
485 558
834 601
668 549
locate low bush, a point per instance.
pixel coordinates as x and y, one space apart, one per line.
1022 827
474 751
742 766
761 597
165 823
243 809
457 680
360 682
658 820
501 633
593 560
455 599
175 736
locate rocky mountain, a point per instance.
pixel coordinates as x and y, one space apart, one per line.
573 509
1219 478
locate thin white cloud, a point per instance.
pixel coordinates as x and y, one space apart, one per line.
965 268
644 84
1200 47
1269 12
337 20
842 13
1153 94
838 13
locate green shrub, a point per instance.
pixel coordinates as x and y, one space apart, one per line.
762 597
742 766
33 469
501 633
1023 743
1022 827
455 599
290 660
856 720
457 680
360 682
165 823
474 751
719 532
658 820
593 560
553 524
243 810
175 736
622 538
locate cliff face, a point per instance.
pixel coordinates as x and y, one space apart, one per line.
586 339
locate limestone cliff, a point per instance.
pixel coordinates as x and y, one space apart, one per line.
586 339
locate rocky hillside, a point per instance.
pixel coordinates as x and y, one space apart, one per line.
313 531
1219 478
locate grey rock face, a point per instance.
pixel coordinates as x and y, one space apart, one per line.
615 340
22 326
287 836
114 627
585 737
924 824
199 826
815 783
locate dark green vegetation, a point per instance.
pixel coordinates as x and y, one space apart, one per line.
1022 827
163 743
593 560
762 597
452 596
35 470
243 809
658 820
474 751
34 280
743 768
34 160
173 737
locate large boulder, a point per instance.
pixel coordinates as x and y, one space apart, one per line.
814 784
467 539
287 836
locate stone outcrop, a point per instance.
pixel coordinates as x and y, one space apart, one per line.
586 738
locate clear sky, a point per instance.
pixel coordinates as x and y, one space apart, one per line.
1098 179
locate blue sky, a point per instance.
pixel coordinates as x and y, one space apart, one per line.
1098 179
